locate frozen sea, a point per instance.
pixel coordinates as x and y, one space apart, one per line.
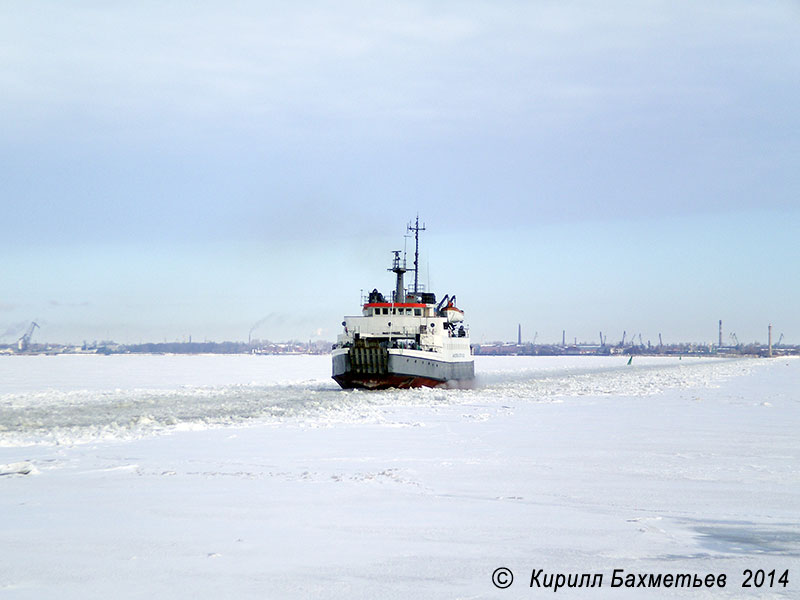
256 477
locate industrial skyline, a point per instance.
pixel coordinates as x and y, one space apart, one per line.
629 343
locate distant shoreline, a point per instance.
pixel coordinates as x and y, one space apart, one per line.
323 348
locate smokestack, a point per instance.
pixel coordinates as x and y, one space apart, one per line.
770 339
519 334
720 333
563 337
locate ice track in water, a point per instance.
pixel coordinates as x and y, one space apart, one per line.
80 399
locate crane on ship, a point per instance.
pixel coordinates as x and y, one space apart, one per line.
25 340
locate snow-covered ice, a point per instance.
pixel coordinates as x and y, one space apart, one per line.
255 476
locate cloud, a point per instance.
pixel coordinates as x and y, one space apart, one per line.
152 67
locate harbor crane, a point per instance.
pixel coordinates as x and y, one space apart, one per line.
25 340
735 339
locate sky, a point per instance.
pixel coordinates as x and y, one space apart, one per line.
218 170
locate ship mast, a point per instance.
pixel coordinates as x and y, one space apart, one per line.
416 229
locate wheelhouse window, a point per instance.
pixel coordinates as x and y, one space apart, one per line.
418 312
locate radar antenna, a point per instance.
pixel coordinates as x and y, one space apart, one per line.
416 229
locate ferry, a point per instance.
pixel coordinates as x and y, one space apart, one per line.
405 340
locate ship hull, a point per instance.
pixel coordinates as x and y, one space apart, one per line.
377 368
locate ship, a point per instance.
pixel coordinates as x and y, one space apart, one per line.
405 340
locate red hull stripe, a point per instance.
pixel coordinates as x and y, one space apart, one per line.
396 304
